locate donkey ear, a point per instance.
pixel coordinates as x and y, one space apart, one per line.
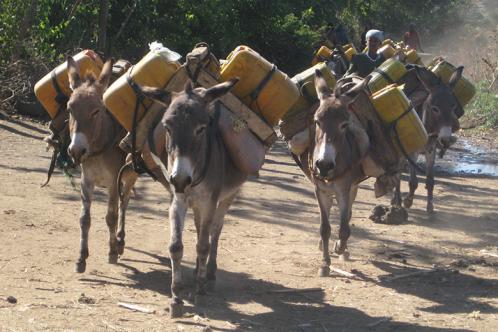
455 77
105 75
161 96
188 86
218 90
356 89
428 79
73 73
322 89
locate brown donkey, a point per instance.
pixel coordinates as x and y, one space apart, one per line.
332 163
94 137
438 112
201 175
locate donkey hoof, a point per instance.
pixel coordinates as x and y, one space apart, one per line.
324 271
113 258
344 257
120 247
175 310
339 248
407 203
80 267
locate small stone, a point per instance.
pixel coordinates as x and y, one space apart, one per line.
11 300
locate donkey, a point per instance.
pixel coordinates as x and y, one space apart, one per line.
332 162
201 175
94 136
438 113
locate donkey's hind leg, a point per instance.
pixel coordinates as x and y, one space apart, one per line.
413 184
126 180
87 188
325 201
216 228
111 219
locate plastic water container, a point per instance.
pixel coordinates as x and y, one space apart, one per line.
88 62
391 104
413 57
323 54
154 70
464 89
305 81
387 51
262 87
389 72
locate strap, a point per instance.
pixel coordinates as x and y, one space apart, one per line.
393 127
60 97
384 74
255 93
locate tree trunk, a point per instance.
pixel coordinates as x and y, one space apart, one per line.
103 14
27 19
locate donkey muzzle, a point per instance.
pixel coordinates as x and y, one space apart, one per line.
324 167
180 182
78 149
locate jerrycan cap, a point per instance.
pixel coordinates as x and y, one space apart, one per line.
169 55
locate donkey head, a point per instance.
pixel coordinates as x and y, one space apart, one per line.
335 147
86 109
441 106
187 125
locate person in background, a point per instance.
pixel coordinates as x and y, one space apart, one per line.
341 35
364 63
412 38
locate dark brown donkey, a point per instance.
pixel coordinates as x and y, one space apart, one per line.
94 137
332 163
438 111
201 174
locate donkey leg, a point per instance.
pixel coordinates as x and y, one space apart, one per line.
177 212
111 220
413 184
324 204
87 188
345 202
352 196
216 228
203 246
128 179
430 157
396 200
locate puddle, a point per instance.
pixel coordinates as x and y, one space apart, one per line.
467 158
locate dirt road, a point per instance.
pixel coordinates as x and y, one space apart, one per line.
268 252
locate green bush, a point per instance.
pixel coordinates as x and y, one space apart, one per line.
484 106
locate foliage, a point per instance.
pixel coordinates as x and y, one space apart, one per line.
283 31
484 106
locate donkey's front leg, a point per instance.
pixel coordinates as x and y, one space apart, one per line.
324 203
216 228
111 220
87 187
177 212
345 198
430 157
207 213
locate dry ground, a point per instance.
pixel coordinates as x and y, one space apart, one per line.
268 251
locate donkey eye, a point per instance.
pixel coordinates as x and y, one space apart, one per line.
94 112
199 131
343 126
436 110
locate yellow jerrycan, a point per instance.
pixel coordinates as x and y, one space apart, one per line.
464 90
387 51
391 71
413 57
262 87
305 81
393 107
154 70
323 54
46 89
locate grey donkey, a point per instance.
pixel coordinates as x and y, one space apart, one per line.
202 176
